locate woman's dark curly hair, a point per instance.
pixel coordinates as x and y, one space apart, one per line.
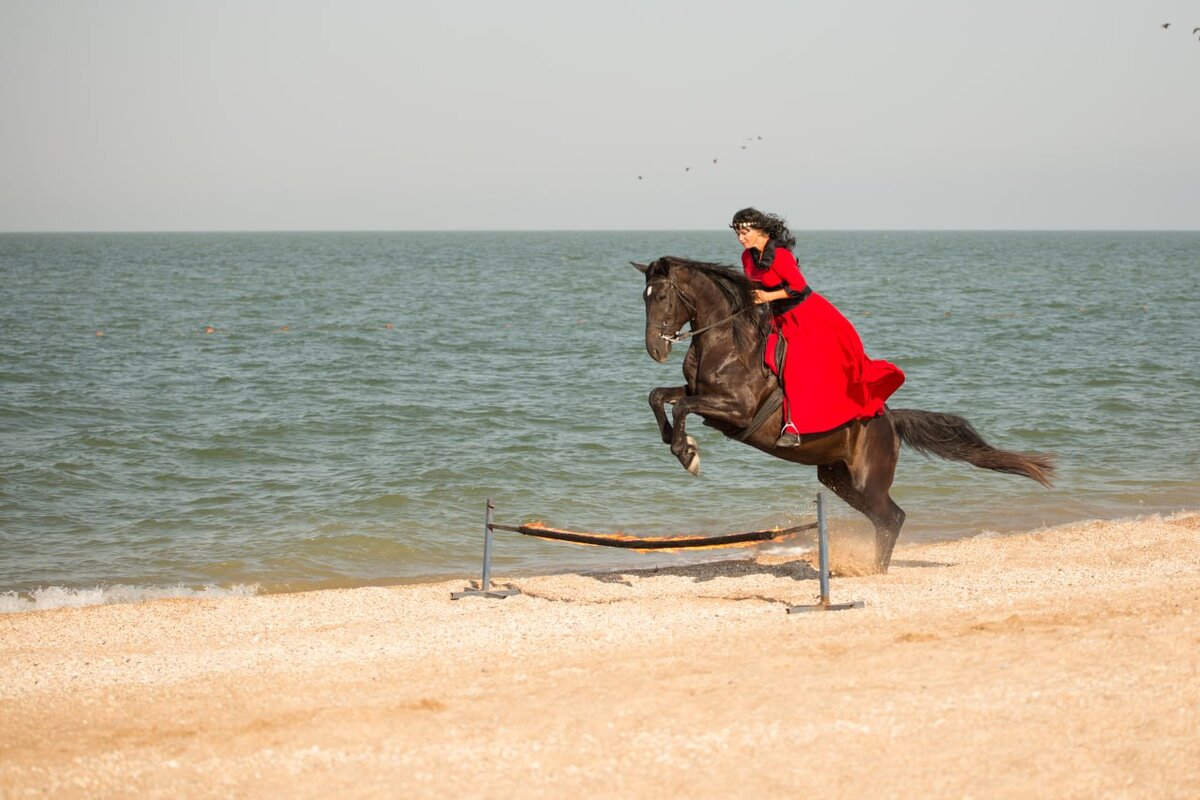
772 225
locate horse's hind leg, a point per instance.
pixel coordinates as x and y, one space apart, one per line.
887 533
864 486
875 504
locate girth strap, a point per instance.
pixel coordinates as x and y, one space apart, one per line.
769 407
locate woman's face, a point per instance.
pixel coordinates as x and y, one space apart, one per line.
751 237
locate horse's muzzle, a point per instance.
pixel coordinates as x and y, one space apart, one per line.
658 348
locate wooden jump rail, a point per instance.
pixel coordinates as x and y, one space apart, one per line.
651 543
540 531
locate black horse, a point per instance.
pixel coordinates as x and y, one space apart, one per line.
728 386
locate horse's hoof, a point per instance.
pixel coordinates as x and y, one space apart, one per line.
693 465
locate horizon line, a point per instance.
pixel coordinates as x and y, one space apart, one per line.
64 231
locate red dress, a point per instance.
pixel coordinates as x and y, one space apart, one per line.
827 378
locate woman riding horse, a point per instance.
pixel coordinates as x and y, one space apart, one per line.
826 376
854 447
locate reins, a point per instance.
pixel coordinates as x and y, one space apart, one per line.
681 336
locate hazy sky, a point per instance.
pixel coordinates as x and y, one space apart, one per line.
522 114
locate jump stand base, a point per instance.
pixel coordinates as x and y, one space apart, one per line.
826 607
495 594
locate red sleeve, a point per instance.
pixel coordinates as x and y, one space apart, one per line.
748 264
788 270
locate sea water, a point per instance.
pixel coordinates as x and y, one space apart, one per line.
199 414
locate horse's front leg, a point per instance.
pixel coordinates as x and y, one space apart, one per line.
660 397
710 407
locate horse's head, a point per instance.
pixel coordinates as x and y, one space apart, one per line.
666 308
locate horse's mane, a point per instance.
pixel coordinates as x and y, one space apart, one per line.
748 328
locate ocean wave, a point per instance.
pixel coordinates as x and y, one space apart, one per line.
50 597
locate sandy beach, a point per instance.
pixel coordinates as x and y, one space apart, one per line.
1057 663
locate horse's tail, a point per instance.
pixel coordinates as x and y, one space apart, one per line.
952 437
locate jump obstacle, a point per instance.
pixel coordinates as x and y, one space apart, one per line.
540 531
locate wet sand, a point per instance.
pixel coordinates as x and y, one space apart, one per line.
1057 663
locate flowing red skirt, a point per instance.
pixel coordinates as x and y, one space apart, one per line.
827 378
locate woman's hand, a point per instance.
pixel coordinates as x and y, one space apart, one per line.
760 296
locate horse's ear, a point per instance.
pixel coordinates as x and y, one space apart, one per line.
640 267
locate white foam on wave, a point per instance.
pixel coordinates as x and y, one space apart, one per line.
63 597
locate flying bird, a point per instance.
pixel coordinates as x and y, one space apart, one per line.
716 160
1195 31
1166 25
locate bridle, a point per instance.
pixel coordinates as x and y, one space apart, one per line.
679 337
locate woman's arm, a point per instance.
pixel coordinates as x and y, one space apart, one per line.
788 270
767 295
784 265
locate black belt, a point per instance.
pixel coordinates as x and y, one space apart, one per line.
788 303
